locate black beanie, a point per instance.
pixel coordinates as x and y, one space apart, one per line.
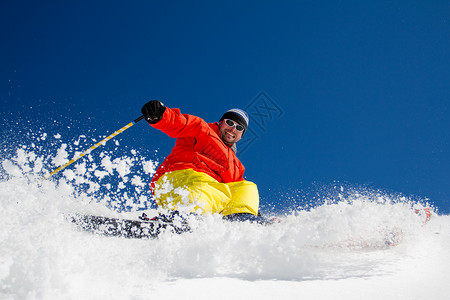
237 115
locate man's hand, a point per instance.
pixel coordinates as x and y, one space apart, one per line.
153 111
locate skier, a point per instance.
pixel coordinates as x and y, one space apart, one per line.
202 174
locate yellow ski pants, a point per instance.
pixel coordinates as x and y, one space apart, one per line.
200 193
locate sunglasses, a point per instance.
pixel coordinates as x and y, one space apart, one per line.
231 123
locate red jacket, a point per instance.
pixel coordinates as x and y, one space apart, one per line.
199 146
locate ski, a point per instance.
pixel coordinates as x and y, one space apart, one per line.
174 222
395 236
144 228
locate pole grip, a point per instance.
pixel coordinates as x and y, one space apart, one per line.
138 119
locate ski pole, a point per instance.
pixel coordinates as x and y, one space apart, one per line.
102 142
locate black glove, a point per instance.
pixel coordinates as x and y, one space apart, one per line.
153 111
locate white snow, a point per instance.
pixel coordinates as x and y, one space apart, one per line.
334 251
43 137
149 167
11 168
61 156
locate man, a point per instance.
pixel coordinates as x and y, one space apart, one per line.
203 174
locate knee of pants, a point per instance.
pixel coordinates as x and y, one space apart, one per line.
244 198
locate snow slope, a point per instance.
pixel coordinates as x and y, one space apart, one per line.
334 250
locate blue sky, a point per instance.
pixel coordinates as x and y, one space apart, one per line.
362 87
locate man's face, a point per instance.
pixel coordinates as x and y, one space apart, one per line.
229 133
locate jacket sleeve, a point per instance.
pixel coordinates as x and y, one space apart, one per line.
176 125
